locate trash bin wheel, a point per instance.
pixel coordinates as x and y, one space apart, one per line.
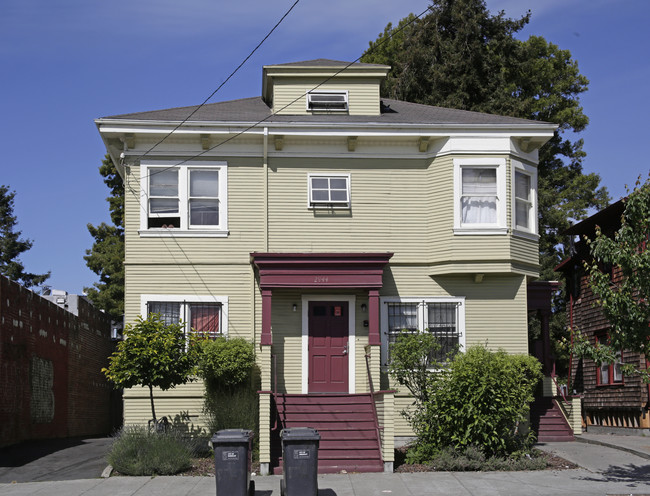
251 489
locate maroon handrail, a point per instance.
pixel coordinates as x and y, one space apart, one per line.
374 408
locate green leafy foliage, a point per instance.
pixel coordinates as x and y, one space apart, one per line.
153 354
139 451
226 364
106 257
410 363
227 367
478 400
626 302
12 246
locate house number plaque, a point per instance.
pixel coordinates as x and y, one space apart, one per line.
321 279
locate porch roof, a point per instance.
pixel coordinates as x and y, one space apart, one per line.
320 270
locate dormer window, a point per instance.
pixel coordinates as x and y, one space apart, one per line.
327 101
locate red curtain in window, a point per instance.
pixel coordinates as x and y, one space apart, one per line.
204 320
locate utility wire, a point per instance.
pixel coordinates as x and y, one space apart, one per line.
252 126
223 83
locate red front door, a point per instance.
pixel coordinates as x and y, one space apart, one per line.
328 346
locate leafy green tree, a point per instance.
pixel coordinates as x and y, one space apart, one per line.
11 244
625 302
153 354
106 257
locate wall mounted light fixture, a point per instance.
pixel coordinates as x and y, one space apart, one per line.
295 307
364 307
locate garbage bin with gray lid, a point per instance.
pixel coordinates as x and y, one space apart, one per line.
300 461
232 462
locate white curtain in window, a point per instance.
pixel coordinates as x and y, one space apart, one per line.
479 196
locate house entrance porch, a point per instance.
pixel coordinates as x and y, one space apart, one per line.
331 347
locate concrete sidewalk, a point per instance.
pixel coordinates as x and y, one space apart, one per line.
551 483
605 471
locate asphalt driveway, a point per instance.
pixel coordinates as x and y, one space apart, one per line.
54 460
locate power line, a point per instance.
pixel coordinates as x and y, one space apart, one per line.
223 83
252 126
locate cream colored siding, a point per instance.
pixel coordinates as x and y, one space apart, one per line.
287 341
245 222
387 208
234 281
289 94
180 404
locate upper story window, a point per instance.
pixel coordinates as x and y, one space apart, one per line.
187 199
524 187
327 101
479 196
443 317
327 190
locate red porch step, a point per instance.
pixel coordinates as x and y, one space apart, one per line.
347 426
547 420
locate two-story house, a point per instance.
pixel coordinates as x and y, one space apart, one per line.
320 221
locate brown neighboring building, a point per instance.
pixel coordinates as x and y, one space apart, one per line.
611 401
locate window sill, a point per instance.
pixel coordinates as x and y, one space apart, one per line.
525 234
480 231
182 233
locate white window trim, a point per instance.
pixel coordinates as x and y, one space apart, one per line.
185 299
336 205
530 171
352 355
327 92
183 195
500 227
422 316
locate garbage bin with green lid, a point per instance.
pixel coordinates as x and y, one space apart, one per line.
232 462
300 461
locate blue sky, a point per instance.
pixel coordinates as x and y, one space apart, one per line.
66 62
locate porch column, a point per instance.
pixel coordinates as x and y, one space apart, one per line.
265 338
373 318
546 339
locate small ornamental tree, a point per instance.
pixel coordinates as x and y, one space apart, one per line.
625 303
153 354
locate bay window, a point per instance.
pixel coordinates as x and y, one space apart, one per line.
524 187
479 196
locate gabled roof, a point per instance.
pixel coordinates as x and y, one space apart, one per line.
325 63
393 112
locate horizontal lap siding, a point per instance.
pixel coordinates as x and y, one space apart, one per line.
440 199
234 281
182 402
363 98
245 223
388 211
287 340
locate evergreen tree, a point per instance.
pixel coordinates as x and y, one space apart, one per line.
11 245
106 257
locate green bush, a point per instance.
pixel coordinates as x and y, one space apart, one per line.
139 451
231 401
479 399
472 459
225 364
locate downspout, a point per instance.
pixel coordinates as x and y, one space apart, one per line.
266 189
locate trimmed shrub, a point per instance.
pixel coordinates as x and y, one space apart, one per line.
225 364
139 451
476 400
